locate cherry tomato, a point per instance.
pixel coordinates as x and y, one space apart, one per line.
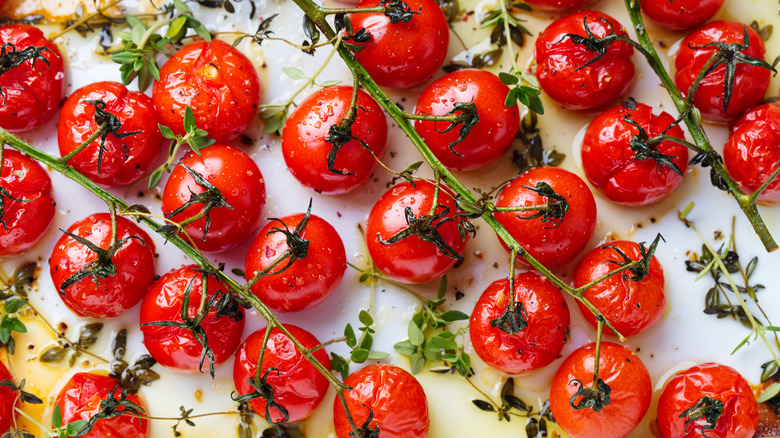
32 90
23 222
536 345
176 347
570 74
488 139
218 82
753 151
631 306
403 54
240 184
555 5
306 149
7 401
80 399
101 293
611 165
552 241
412 259
127 153
297 385
750 82
391 395
629 397
307 281
680 14
710 389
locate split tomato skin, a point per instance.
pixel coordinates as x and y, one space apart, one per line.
7 401
488 139
124 159
536 345
680 14
306 149
555 5
739 418
628 379
32 91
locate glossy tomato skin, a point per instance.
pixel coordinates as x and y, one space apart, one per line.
556 243
628 379
558 60
750 82
411 260
536 345
298 386
175 347
32 91
402 55
395 398
218 82
555 5
488 139
25 222
239 181
80 399
753 150
610 164
306 149
117 293
7 401
680 14
631 306
124 159
739 418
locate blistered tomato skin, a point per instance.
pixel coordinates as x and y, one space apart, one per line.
176 347
488 139
7 401
629 398
306 149
750 82
115 294
306 282
298 387
611 165
718 383
395 397
561 65
680 14
555 5
536 345
80 399
31 91
402 55
124 159
218 82
24 222
752 151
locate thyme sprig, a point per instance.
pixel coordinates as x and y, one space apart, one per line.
131 377
88 336
513 406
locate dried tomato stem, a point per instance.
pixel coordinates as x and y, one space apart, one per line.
260 274
609 274
84 144
599 333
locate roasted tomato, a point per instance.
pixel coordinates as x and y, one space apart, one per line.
555 5
7 401
680 14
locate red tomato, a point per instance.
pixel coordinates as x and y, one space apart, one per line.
488 139
538 344
611 165
402 55
307 281
80 399
7 401
753 150
631 306
629 397
32 90
750 82
297 386
124 159
23 223
412 259
717 390
552 242
568 73
218 82
239 181
102 296
680 14
176 347
394 398
555 5
306 149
